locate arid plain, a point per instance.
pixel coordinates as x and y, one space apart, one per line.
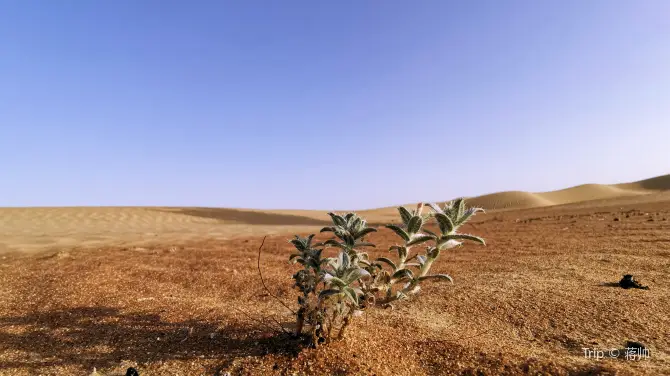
176 291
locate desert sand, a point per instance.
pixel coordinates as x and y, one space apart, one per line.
50 229
176 291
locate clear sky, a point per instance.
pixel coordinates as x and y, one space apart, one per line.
327 104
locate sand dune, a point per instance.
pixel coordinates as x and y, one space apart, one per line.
580 193
523 200
511 200
28 229
35 229
659 183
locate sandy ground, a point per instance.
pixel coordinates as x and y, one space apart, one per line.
176 292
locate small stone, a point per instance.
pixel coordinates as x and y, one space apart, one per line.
636 345
628 282
616 219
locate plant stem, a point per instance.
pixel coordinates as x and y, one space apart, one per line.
301 321
345 323
426 267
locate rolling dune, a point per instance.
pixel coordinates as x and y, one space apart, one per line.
512 200
572 195
659 183
581 193
34 229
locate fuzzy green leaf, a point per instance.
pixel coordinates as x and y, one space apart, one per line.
464 237
414 224
330 292
445 223
459 207
402 274
435 208
293 256
387 261
351 294
400 295
332 242
419 239
469 213
365 262
355 223
405 215
353 275
384 277
362 255
439 277
337 219
364 244
334 281
298 244
412 257
399 231
328 229
364 232
343 260
402 250
349 240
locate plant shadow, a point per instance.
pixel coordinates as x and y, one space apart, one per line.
104 337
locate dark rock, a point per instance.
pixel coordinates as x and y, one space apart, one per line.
635 345
616 219
628 282
132 372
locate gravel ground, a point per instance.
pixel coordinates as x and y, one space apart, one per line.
530 302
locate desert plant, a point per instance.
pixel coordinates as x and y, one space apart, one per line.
342 278
333 290
412 232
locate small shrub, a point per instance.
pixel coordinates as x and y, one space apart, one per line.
336 289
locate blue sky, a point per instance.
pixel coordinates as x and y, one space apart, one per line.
326 104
